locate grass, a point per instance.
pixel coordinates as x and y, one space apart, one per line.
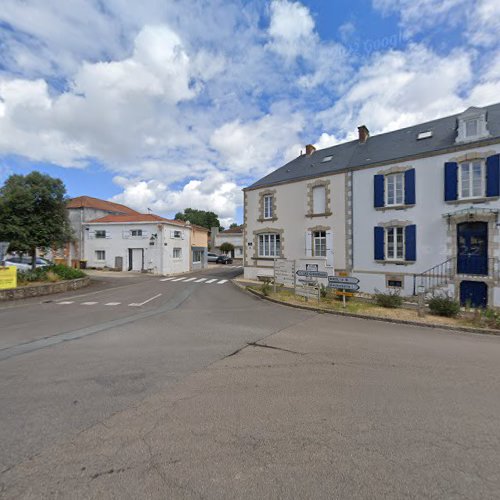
479 319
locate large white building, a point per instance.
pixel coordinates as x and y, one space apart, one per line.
234 236
417 207
145 242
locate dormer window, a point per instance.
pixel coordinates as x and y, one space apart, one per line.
472 125
471 128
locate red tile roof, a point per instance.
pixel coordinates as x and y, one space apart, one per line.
89 202
136 218
238 229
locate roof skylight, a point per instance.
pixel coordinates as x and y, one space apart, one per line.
424 135
326 158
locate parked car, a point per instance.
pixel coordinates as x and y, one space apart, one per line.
24 263
212 257
224 259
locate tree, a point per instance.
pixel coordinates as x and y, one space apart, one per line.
234 225
33 213
226 247
199 217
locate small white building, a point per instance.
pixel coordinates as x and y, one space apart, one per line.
143 242
234 236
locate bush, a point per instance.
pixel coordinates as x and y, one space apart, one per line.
266 287
491 318
443 305
67 273
39 274
390 299
323 291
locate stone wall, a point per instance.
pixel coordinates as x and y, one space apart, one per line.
25 292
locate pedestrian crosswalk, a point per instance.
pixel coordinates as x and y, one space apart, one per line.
185 279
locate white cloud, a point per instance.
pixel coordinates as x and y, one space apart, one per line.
484 23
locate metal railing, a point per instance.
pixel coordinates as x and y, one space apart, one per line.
442 274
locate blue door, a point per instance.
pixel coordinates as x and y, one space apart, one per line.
473 294
472 248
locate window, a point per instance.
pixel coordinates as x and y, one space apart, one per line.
319 243
136 232
100 233
176 234
395 243
100 255
197 256
471 128
471 179
326 158
268 206
177 253
424 135
394 189
319 199
269 245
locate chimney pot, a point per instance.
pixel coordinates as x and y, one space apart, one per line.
363 133
310 149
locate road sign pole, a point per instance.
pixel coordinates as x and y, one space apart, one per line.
274 277
343 300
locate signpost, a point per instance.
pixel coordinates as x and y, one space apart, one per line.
309 292
284 273
344 285
4 245
8 277
312 274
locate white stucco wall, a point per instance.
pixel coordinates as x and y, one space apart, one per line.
235 239
291 211
158 258
433 239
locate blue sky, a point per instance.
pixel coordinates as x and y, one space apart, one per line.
165 105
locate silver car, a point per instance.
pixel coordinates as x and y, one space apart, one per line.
212 257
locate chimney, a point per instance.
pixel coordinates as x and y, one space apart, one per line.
364 133
310 149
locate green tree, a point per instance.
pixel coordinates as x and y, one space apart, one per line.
199 217
33 213
234 225
227 247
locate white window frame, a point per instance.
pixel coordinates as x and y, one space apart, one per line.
394 188
178 251
268 206
470 194
269 245
391 234
319 238
102 234
132 231
200 253
317 190
468 122
103 252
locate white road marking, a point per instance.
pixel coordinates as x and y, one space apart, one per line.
210 281
113 304
167 279
178 279
65 302
221 282
145 302
190 279
200 280
89 303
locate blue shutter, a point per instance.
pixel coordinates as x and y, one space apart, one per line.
493 175
450 181
410 187
378 191
411 243
379 236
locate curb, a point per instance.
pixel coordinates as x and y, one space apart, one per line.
466 329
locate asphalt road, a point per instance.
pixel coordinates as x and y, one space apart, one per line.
206 392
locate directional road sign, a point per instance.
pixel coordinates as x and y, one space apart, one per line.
4 245
343 279
352 287
312 274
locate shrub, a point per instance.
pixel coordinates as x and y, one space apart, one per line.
323 291
490 318
67 273
390 299
266 287
38 274
52 277
444 305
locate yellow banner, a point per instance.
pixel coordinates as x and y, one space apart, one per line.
8 277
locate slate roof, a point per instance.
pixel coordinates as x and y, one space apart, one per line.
89 202
390 146
135 218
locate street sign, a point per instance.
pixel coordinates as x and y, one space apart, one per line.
352 287
8 277
4 245
284 272
312 274
309 292
312 267
343 279
340 293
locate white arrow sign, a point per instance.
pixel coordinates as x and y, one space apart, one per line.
344 286
343 279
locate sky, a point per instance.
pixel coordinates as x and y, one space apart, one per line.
169 104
